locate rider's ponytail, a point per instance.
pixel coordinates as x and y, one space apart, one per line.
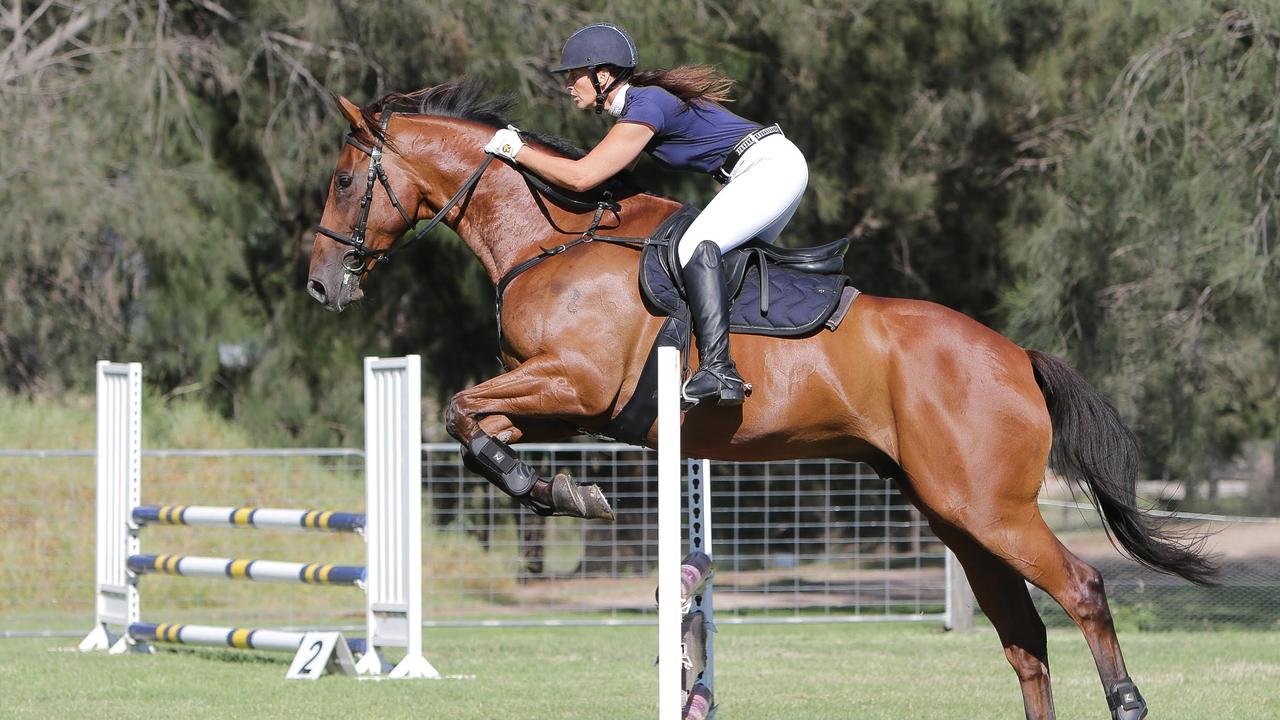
688 82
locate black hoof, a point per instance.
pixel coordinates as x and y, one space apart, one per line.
699 704
572 499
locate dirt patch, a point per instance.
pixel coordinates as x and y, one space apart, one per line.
1240 541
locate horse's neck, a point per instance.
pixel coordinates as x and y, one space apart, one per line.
503 223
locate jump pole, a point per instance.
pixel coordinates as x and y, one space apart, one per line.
391 526
671 646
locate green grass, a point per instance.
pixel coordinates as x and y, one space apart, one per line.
763 673
70 421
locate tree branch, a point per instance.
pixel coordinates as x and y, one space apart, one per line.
11 69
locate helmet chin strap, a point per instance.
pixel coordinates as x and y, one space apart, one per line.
601 94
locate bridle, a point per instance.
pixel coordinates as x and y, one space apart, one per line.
360 258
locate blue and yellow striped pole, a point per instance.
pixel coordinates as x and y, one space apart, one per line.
241 569
248 517
243 638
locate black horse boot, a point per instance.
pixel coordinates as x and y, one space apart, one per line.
495 461
717 381
1126 702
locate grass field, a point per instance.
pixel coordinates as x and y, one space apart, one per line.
763 673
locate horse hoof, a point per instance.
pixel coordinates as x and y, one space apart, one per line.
571 499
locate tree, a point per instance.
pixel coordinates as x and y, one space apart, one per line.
1151 262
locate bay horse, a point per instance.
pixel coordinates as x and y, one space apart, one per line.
963 419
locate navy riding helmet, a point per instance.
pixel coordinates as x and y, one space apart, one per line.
596 45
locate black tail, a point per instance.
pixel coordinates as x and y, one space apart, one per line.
1093 448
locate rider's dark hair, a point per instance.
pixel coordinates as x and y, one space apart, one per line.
690 83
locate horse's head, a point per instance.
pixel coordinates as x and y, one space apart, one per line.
361 220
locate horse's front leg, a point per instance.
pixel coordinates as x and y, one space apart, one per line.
514 405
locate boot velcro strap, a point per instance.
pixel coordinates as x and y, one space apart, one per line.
515 476
1124 694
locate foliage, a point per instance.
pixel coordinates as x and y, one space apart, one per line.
1151 261
1096 179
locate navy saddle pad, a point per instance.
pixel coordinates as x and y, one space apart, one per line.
775 291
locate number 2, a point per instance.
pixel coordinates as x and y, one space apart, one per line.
317 646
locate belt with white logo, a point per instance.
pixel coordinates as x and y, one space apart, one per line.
746 143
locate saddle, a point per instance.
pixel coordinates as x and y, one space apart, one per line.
783 292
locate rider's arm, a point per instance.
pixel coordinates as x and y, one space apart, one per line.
619 149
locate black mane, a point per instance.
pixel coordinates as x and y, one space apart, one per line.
465 99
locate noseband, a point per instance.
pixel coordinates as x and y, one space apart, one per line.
360 258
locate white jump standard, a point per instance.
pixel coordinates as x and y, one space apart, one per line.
684 692
391 528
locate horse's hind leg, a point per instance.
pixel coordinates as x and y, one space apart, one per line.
1016 533
1002 595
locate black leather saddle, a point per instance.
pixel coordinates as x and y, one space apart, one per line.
773 290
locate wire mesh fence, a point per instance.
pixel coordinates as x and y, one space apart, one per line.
798 541
1246 549
795 542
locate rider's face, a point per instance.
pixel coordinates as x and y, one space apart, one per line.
578 84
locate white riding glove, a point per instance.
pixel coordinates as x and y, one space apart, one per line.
505 142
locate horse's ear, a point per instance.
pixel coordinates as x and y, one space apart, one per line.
350 111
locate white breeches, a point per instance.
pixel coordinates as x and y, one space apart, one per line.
763 193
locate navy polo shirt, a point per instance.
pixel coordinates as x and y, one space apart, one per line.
694 136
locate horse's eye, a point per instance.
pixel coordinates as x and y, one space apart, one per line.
344 181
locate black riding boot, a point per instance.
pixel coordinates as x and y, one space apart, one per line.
717 381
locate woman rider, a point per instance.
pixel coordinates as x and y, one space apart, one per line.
677 116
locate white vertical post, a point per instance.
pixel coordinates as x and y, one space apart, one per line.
119 476
393 512
960 600
700 540
670 666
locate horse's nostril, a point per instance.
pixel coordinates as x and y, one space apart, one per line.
316 289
